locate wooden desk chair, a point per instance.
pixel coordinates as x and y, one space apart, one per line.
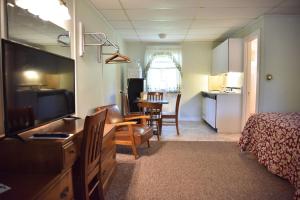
173 115
154 111
128 132
155 95
87 172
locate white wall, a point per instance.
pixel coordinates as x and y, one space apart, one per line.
196 64
279 56
97 83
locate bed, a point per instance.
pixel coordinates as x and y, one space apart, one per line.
274 138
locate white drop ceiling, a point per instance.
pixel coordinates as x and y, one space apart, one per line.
187 20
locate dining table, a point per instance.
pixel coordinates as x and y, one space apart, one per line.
161 101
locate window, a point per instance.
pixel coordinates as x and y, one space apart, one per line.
163 75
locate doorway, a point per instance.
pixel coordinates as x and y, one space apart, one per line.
251 74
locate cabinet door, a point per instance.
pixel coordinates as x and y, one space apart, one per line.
220 59
211 114
235 55
204 108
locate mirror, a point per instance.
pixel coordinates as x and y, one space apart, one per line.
27 28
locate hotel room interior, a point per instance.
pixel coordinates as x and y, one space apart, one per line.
150 99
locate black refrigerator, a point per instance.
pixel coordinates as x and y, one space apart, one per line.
134 88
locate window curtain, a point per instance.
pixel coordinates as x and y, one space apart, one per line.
174 52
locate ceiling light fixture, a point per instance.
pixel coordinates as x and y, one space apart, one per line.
48 10
162 35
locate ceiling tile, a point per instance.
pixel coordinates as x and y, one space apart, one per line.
162 25
134 4
205 23
290 3
131 38
156 32
285 11
162 14
121 24
169 38
128 32
239 3
104 4
208 31
230 13
114 14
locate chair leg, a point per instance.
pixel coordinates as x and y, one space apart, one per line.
148 142
134 151
177 128
160 126
158 129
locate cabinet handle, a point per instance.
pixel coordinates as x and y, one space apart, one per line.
64 193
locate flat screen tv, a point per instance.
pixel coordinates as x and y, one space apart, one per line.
38 87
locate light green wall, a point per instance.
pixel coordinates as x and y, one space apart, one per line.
97 83
279 56
196 65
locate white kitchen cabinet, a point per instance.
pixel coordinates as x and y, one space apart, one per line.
222 111
209 110
228 57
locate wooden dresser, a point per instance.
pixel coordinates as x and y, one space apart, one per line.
42 169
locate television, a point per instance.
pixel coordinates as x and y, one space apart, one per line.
38 87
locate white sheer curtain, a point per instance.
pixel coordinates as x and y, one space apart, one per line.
163 68
174 50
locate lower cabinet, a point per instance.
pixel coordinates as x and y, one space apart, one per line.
209 111
222 111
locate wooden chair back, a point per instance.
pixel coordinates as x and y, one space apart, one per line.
155 96
90 156
154 110
20 118
177 104
126 108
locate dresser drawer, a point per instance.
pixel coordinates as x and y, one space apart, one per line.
108 143
108 164
69 154
62 190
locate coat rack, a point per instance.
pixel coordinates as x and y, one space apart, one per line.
100 41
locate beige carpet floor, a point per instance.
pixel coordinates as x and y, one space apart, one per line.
194 170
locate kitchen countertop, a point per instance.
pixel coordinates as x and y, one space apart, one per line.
219 92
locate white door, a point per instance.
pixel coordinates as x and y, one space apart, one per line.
250 76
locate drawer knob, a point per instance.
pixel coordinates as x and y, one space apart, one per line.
64 193
72 151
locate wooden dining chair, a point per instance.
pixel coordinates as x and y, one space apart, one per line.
173 116
126 107
155 96
153 110
87 172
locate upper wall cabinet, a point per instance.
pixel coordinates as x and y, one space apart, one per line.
228 57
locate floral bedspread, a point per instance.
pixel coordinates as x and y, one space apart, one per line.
275 139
